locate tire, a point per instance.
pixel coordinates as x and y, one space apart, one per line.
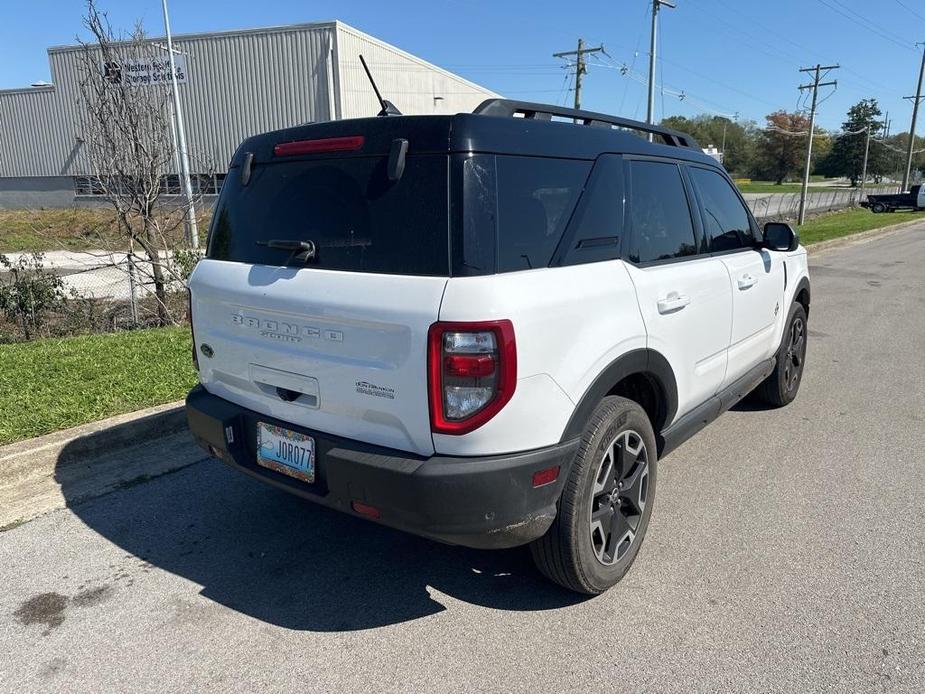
878 207
578 552
781 387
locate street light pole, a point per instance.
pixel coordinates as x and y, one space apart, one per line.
192 233
653 45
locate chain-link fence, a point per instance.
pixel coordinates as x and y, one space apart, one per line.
786 206
67 292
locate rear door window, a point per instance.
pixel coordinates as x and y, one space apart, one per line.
659 212
358 220
727 224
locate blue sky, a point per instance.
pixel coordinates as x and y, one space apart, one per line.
726 56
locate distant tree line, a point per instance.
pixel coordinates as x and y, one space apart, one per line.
776 151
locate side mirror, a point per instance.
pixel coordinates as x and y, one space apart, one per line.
779 236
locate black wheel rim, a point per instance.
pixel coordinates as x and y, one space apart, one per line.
618 497
794 354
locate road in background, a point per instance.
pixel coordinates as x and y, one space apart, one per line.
786 553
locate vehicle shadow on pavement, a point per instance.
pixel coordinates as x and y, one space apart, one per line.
291 563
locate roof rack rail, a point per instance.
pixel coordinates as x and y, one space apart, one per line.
508 108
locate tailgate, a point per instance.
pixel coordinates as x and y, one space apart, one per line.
344 353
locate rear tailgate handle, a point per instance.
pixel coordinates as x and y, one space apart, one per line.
747 281
287 386
673 302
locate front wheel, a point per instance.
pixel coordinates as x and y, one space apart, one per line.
878 207
606 503
781 387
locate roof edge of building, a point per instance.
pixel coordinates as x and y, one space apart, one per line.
410 56
276 28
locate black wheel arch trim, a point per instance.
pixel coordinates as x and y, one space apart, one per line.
645 361
803 284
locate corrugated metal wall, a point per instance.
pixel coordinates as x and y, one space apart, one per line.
37 133
413 85
240 83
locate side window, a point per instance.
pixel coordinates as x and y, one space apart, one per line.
596 230
726 222
660 215
536 198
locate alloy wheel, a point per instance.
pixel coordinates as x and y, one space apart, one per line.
618 497
795 353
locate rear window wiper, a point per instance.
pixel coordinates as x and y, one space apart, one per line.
301 250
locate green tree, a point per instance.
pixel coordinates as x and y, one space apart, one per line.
847 155
781 146
710 130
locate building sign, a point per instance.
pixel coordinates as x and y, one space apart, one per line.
142 72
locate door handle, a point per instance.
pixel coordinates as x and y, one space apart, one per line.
673 302
746 281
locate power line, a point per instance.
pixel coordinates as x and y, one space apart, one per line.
809 52
642 31
902 4
867 24
879 27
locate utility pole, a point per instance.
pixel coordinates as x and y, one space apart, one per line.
868 130
653 46
192 233
725 123
915 114
581 68
818 70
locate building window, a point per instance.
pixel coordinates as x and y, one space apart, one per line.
202 184
87 185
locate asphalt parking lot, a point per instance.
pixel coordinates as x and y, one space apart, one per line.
786 554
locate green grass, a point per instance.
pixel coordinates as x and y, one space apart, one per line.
78 229
847 222
44 230
771 187
53 384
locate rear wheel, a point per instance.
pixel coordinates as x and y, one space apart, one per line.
878 207
781 387
606 504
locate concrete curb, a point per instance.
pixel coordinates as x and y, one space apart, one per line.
104 435
861 237
67 467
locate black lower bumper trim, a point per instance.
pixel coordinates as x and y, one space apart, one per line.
481 502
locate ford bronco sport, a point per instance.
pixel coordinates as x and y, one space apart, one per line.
487 328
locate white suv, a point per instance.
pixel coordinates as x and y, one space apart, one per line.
487 328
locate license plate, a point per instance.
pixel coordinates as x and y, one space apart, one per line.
285 451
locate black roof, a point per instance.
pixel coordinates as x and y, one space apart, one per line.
497 126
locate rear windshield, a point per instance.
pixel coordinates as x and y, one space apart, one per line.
356 218
461 214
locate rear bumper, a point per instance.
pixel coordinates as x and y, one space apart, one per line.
484 502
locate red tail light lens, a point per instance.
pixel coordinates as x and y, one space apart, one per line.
472 373
328 144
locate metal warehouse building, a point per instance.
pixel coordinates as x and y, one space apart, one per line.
237 83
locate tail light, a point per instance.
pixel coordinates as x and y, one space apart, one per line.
189 317
472 373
